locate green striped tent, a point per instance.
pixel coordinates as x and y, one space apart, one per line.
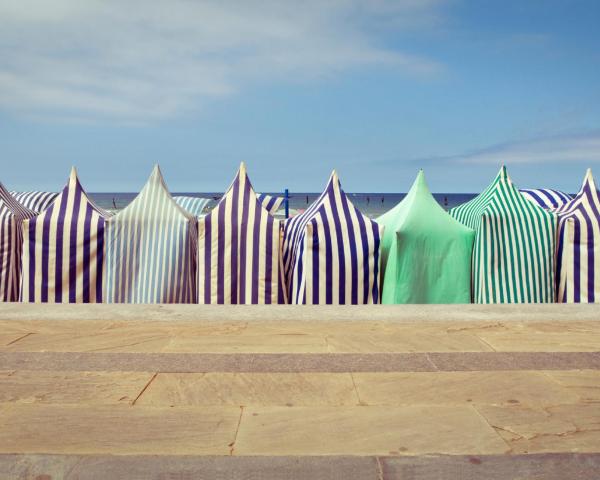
513 255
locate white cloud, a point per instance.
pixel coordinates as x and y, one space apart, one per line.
140 60
578 147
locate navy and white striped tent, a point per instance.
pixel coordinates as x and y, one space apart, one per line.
239 254
546 197
151 249
270 202
578 250
332 252
193 205
12 216
63 249
36 201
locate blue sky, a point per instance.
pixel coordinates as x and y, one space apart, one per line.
374 89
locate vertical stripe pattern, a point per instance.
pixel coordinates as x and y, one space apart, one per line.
12 216
513 255
331 252
36 201
151 249
63 250
270 202
578 249
193 205
239 250
546 197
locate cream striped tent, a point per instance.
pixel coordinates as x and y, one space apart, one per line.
546 197
270 202
193 205
151 249
513 256
63 249
12 216
578 250
239 259
36 201
332 252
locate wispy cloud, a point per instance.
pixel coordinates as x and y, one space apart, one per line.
140 60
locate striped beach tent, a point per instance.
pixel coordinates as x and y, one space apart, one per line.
513 255
193 205
12 216
36 201
270 202
578 250
331 252
546 197
425 254
239 250
151 249
63 249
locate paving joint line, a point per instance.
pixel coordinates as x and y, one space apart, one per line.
237 429
144 389
20 338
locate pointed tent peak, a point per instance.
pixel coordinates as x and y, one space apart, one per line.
589 180
420 184
156 172
503 173
73 175
334 180
242 170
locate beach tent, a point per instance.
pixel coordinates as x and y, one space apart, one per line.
36 201
12 216
239 251
151 249
513 254
193 205
331 252
546 197
63 249
270 202
425 253
578 250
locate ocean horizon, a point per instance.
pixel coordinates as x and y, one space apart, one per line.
371 204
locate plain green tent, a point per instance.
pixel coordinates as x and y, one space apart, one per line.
426 254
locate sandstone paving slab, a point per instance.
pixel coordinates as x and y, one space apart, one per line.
117 429
84 388
560 428
247 344
469 361
6 339
404 342
217 388
362 430
456 388
584 383
543 341
548 466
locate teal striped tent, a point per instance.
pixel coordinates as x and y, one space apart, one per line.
513 256
151 249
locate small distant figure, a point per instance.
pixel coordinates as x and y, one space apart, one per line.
368 200
114 204
382 198
307 199
445 201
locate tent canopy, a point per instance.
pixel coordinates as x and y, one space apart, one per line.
578 250
426 254
193 205
270 202
546 197
239 254
150 249
513 255
63 249
36 201
331 252
12 216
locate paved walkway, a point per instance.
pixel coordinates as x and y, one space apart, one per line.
178 392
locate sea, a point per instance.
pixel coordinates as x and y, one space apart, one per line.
370 204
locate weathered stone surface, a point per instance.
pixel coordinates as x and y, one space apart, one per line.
584 383
117 429
456 388
291 389
560 428
410 430
24 386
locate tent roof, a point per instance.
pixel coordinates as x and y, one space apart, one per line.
546 197
152 199
10 206
420 205
588 198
